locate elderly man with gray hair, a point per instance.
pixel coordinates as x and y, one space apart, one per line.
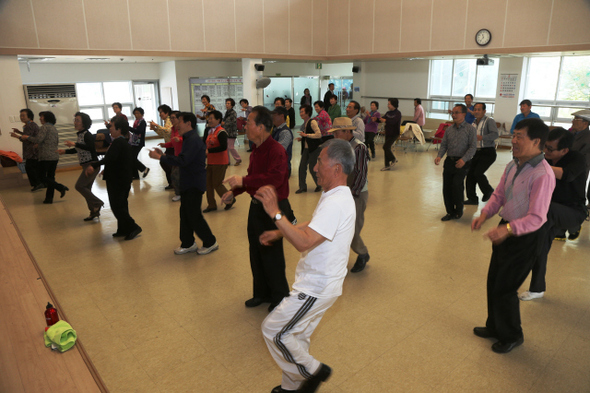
581 132
323 242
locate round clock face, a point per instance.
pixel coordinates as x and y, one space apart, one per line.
483 37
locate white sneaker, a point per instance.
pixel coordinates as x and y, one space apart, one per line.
176 198
181 250
207 250
528 295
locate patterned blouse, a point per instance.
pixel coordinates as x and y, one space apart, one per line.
324 122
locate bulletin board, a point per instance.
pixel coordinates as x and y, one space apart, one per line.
218 89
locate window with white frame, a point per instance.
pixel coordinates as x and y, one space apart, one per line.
558 86
451 80
96 99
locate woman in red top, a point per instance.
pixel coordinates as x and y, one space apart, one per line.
176 143
217 160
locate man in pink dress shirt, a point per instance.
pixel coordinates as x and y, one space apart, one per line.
524 194
419 117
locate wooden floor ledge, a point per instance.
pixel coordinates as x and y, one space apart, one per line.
26 365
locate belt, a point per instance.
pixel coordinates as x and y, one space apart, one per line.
454 158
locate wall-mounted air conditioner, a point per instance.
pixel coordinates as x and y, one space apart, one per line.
62 101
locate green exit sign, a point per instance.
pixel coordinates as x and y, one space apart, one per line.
318 66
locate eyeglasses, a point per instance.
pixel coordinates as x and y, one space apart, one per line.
550 149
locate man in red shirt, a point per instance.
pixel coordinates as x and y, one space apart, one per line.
268 166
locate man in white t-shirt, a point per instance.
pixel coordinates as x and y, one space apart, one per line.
324 243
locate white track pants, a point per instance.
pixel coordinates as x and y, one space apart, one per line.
287 330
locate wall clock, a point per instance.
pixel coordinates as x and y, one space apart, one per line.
483 37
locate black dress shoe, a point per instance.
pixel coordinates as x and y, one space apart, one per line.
169 187
457 216
312 384
505 347
117 234
62 193
483 332
301 190
487 197
208 209
145 173
47 202
470 202
279 389
133 234
574 236
448 217
318 189
255 302
361 262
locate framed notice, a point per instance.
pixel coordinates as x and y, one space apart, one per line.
218 89
508 85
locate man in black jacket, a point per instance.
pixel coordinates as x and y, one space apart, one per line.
567 210
118 173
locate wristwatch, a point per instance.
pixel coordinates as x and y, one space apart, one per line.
278 216
509 228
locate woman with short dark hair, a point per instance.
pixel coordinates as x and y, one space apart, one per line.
230 124
392 121
47 139
217 161
85 148
118 173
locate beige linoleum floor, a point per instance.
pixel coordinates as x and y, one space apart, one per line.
153 321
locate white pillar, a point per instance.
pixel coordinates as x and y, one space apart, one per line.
249 76
507 108
12 100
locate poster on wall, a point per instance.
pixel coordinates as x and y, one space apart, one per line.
218 89
508 85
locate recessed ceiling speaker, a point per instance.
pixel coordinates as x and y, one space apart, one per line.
356 69
259 67
262 82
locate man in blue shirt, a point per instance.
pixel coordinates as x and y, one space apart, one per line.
470 116
525 109
193 183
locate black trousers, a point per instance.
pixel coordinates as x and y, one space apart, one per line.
511 262
267 262
480 163
168 168
370 142
192 220
33 171
118 198
48 177
308 160
453 185
138 165
560 218
389 156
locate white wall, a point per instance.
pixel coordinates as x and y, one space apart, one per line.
201 69
507 108
12 100
395 79
307 69
168 81
95 72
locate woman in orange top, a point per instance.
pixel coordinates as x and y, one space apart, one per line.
217 160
